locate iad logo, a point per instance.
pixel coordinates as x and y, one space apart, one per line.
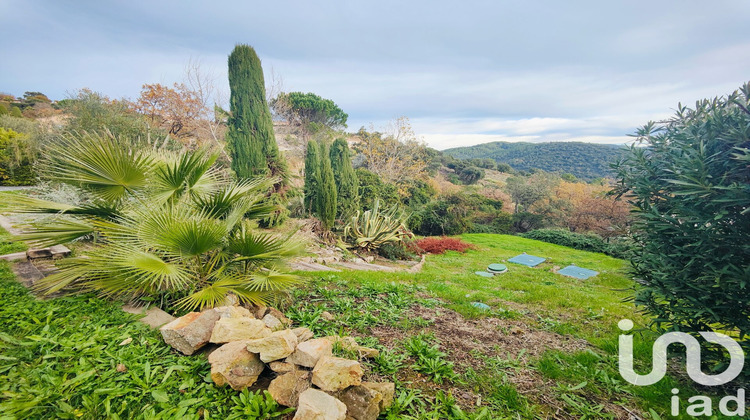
702 404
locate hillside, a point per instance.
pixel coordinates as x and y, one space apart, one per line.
584 160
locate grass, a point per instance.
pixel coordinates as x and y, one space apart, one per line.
60 357
574 384
7 247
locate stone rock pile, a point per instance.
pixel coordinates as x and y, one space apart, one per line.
306 375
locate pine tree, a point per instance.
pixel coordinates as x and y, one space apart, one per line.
327 190
312 177
347 183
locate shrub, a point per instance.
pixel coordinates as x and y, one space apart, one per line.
582 241
690 187
397 251
438 245
618 248
16 159
449 215
525 221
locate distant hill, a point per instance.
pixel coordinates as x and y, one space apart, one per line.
584 160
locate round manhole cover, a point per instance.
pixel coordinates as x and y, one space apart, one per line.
497 268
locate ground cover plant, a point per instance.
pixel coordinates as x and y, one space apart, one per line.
65 358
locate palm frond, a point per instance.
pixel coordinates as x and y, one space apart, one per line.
272 281
187 173
57 231
220 203
23 204
117 271
101 164
261 247
172 228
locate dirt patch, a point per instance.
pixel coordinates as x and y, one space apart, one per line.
510 339
490 336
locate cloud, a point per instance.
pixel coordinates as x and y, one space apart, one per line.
463 73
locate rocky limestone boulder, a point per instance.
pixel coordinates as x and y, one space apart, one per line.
238 329
278 345
386 389
232 364
281 367
273 323
317 405
334 374
286 388
303 334
190 332
362 403
350 344
234 312
308 353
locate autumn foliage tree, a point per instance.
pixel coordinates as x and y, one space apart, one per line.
176 110
396 155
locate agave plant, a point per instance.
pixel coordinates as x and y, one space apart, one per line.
370 230
162 223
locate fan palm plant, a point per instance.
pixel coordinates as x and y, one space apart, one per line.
162 223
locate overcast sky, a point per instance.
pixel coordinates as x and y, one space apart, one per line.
464 72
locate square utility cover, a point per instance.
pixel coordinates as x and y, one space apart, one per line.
577 272
527 260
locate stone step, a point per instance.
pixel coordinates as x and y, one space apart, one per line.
17 256
27 273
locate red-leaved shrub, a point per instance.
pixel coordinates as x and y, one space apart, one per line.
440 244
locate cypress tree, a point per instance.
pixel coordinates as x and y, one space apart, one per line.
250 137
312 177
327 190
246 123
346 180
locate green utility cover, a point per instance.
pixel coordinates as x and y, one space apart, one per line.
497 268
484 274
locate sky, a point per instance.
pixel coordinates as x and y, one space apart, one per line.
463 72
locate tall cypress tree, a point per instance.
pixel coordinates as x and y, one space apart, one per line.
248 125
327 190
250 137
347 183
312 177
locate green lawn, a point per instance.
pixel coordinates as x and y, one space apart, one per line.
547 349
7 247
584 383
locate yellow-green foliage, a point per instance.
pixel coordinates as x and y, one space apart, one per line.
373 228
16 159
